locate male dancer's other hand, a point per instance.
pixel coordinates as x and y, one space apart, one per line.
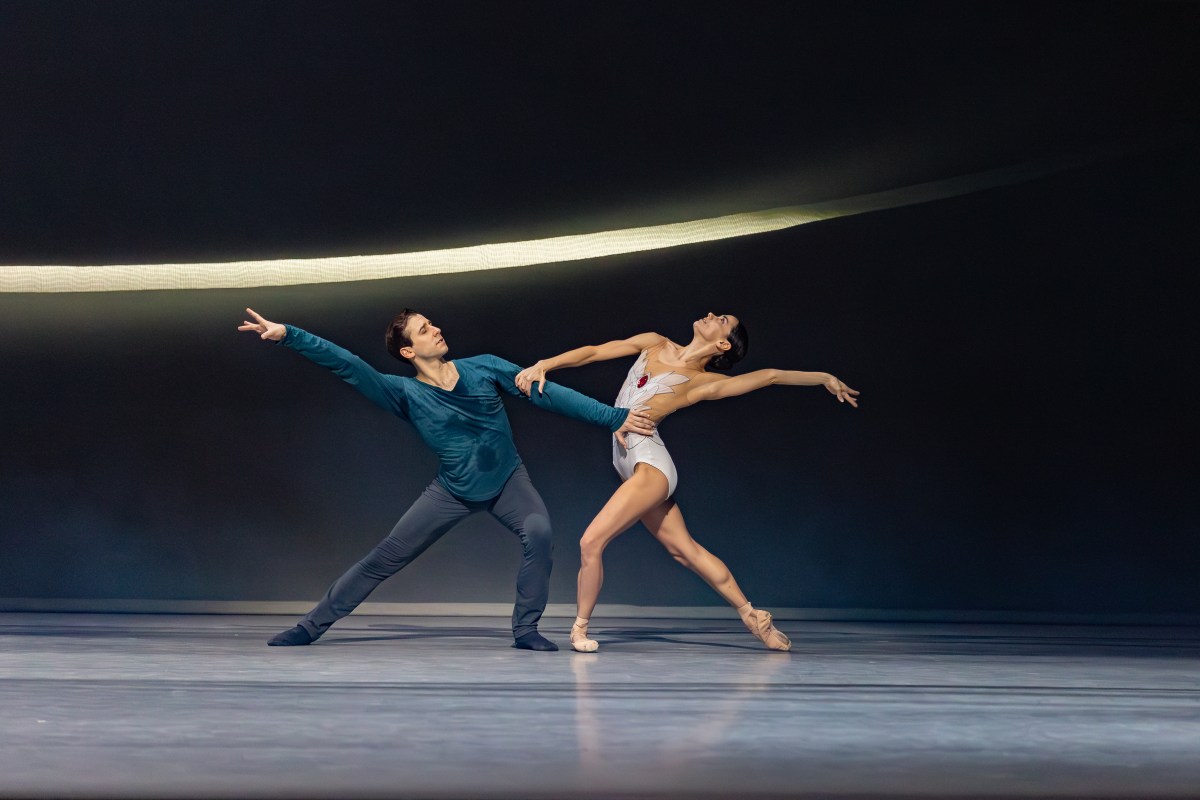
264 327
841 391
636 422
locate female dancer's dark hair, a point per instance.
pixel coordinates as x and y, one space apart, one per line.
739 344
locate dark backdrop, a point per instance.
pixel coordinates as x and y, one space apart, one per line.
1025 440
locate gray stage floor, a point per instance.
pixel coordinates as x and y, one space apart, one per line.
125 705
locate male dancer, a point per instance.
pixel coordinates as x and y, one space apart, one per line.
455 407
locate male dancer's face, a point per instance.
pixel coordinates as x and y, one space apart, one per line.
427 341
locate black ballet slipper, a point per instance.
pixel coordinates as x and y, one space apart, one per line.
292 637
534 641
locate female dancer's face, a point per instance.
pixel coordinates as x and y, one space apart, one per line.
714 327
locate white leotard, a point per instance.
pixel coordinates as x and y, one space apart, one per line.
636 391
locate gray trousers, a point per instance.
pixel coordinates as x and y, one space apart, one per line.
518 507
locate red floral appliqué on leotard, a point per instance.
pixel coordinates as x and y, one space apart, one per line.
640 385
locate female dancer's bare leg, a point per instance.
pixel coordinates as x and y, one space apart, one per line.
665 523
644 490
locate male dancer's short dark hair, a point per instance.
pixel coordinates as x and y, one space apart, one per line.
396 333
739 344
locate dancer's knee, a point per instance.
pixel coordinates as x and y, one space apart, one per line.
691 561
378 567
686 554
388 558
591 548
536 536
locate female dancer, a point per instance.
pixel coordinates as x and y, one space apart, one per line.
665 378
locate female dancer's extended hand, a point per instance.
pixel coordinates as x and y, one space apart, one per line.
531 375
264 327
841 391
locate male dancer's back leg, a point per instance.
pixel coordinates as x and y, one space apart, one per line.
427 520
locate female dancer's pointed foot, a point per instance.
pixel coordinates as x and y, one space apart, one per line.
760 624
534 641
580 642
585 645
292 637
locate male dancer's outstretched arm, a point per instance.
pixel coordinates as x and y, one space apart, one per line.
384 390
570 403
387 391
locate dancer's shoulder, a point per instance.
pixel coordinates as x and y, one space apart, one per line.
485 361
487 367
649 340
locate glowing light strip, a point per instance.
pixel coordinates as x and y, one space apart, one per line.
293 271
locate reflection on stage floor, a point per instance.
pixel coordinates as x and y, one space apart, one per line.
197 706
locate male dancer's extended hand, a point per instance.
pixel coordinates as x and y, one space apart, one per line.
264 327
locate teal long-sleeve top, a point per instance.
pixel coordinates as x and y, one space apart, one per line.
465 426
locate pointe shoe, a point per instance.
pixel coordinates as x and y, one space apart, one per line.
580 643
759 623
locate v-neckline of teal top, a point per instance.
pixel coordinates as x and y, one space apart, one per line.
453 389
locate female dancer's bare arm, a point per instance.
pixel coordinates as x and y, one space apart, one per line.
585 355
742 384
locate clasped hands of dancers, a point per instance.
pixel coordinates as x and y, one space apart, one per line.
455 407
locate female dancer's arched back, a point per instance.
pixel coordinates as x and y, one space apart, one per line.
665 378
